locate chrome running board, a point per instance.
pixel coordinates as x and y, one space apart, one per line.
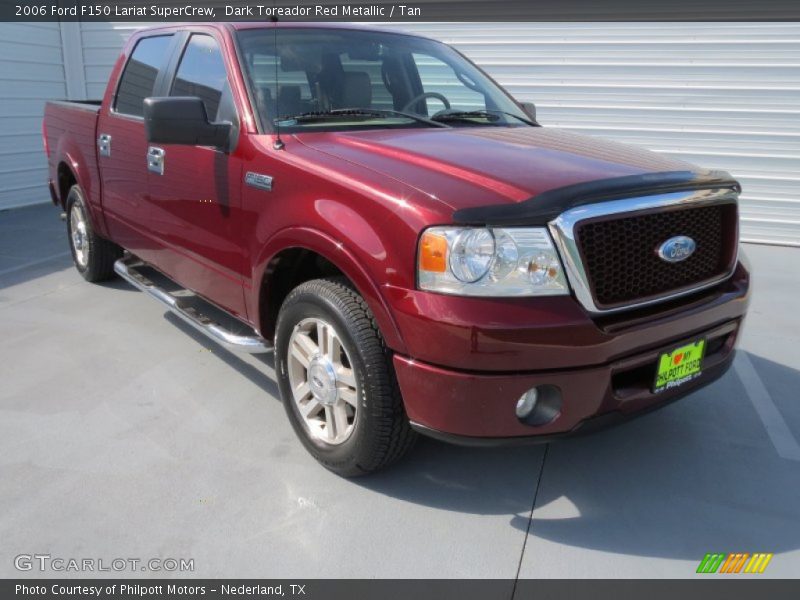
252 344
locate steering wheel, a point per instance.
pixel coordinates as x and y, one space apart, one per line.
419 97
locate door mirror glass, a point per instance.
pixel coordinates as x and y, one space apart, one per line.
183 120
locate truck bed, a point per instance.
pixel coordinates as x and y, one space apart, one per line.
70 132
91 105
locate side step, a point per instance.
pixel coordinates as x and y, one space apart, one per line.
252 344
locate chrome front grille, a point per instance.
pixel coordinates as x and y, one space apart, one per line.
610 249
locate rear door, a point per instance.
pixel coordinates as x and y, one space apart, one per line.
195 191
121 145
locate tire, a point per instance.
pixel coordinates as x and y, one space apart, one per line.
93 256
375 432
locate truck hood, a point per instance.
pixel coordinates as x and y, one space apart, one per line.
479 166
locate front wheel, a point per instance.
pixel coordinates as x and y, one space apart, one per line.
93 256
337 381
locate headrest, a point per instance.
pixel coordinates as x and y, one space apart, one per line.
264 101
357 92
289 95
264 93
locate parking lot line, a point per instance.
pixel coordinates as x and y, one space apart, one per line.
530 520
777 429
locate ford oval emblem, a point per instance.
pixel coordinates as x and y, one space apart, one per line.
676 249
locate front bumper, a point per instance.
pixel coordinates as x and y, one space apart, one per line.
478 405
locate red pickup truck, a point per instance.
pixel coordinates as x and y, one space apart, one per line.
420 254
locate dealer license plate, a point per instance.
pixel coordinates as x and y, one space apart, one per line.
679 366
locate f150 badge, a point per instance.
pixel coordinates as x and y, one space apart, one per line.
257 180
676 249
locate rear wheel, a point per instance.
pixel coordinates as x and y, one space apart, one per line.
337 381
93 256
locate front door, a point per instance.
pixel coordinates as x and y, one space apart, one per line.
195 192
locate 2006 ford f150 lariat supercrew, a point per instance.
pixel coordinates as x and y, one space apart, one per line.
419 253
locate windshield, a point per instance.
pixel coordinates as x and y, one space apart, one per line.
340 79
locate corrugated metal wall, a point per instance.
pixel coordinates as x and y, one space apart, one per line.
724 95
101 44
31 71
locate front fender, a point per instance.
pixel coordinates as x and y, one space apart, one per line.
341 254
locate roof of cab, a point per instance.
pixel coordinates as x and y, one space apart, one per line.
239 25
310 25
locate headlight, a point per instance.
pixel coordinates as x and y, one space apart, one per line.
471 261
472 254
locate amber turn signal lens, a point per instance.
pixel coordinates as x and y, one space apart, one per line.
433 253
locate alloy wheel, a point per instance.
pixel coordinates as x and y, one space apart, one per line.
79 234
324 386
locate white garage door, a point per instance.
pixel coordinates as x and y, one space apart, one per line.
31 71
723 95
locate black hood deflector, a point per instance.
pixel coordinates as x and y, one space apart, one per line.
543 208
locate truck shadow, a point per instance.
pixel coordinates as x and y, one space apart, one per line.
701 475
252 372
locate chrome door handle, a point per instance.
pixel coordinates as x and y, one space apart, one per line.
104 144
155 160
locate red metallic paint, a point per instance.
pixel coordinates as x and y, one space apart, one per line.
70 136
532 334
478 166
361 199
124 174
482 405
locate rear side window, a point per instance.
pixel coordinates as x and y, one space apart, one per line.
139 77
202 73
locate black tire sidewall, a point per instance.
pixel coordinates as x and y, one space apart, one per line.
347 456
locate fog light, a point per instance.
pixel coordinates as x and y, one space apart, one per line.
527 403
540 405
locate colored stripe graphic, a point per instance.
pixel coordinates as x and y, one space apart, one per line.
758 563
740 564
731 559
710 563
734 562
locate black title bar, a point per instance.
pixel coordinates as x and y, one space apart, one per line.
393 10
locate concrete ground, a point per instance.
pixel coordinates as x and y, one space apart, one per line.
124 434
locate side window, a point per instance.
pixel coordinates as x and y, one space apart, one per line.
202 73
139 77
438 77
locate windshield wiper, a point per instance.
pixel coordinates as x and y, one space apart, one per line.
344 113
489 114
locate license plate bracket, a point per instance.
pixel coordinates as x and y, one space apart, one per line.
679 366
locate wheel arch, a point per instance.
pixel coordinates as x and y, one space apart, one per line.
299 254
65 179
74 166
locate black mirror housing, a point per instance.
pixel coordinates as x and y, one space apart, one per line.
182 120
530 109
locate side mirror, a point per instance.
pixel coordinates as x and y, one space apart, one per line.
530 109
182 120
